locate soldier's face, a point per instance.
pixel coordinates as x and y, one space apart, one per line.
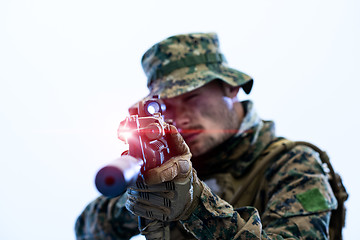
204 117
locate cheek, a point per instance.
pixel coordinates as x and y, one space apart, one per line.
168 113
220 115
168 116
212 110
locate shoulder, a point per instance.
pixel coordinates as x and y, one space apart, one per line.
298 177
300 159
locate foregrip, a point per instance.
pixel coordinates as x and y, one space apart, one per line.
113 179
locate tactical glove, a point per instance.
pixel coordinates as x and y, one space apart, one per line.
169 192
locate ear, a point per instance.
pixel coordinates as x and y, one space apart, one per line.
231 91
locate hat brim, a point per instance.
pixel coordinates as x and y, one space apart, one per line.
187 79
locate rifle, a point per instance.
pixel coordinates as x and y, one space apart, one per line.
145 131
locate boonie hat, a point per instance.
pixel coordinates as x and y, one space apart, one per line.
182 63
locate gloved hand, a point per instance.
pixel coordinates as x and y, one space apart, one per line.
169 192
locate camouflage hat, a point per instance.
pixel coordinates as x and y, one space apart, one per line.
183 63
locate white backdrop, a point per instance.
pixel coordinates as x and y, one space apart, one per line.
69 70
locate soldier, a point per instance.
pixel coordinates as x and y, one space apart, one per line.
222 188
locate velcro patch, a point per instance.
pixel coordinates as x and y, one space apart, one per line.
313 200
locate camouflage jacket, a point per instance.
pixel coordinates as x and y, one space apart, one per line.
293 199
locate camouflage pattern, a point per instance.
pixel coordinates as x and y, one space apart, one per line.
106 219
182 63
294 200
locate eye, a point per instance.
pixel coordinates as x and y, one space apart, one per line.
167 110
191 97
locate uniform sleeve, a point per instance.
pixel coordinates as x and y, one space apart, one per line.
106 219
298 206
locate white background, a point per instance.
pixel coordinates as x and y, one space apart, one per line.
69 70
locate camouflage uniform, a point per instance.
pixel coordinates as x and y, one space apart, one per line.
292 200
